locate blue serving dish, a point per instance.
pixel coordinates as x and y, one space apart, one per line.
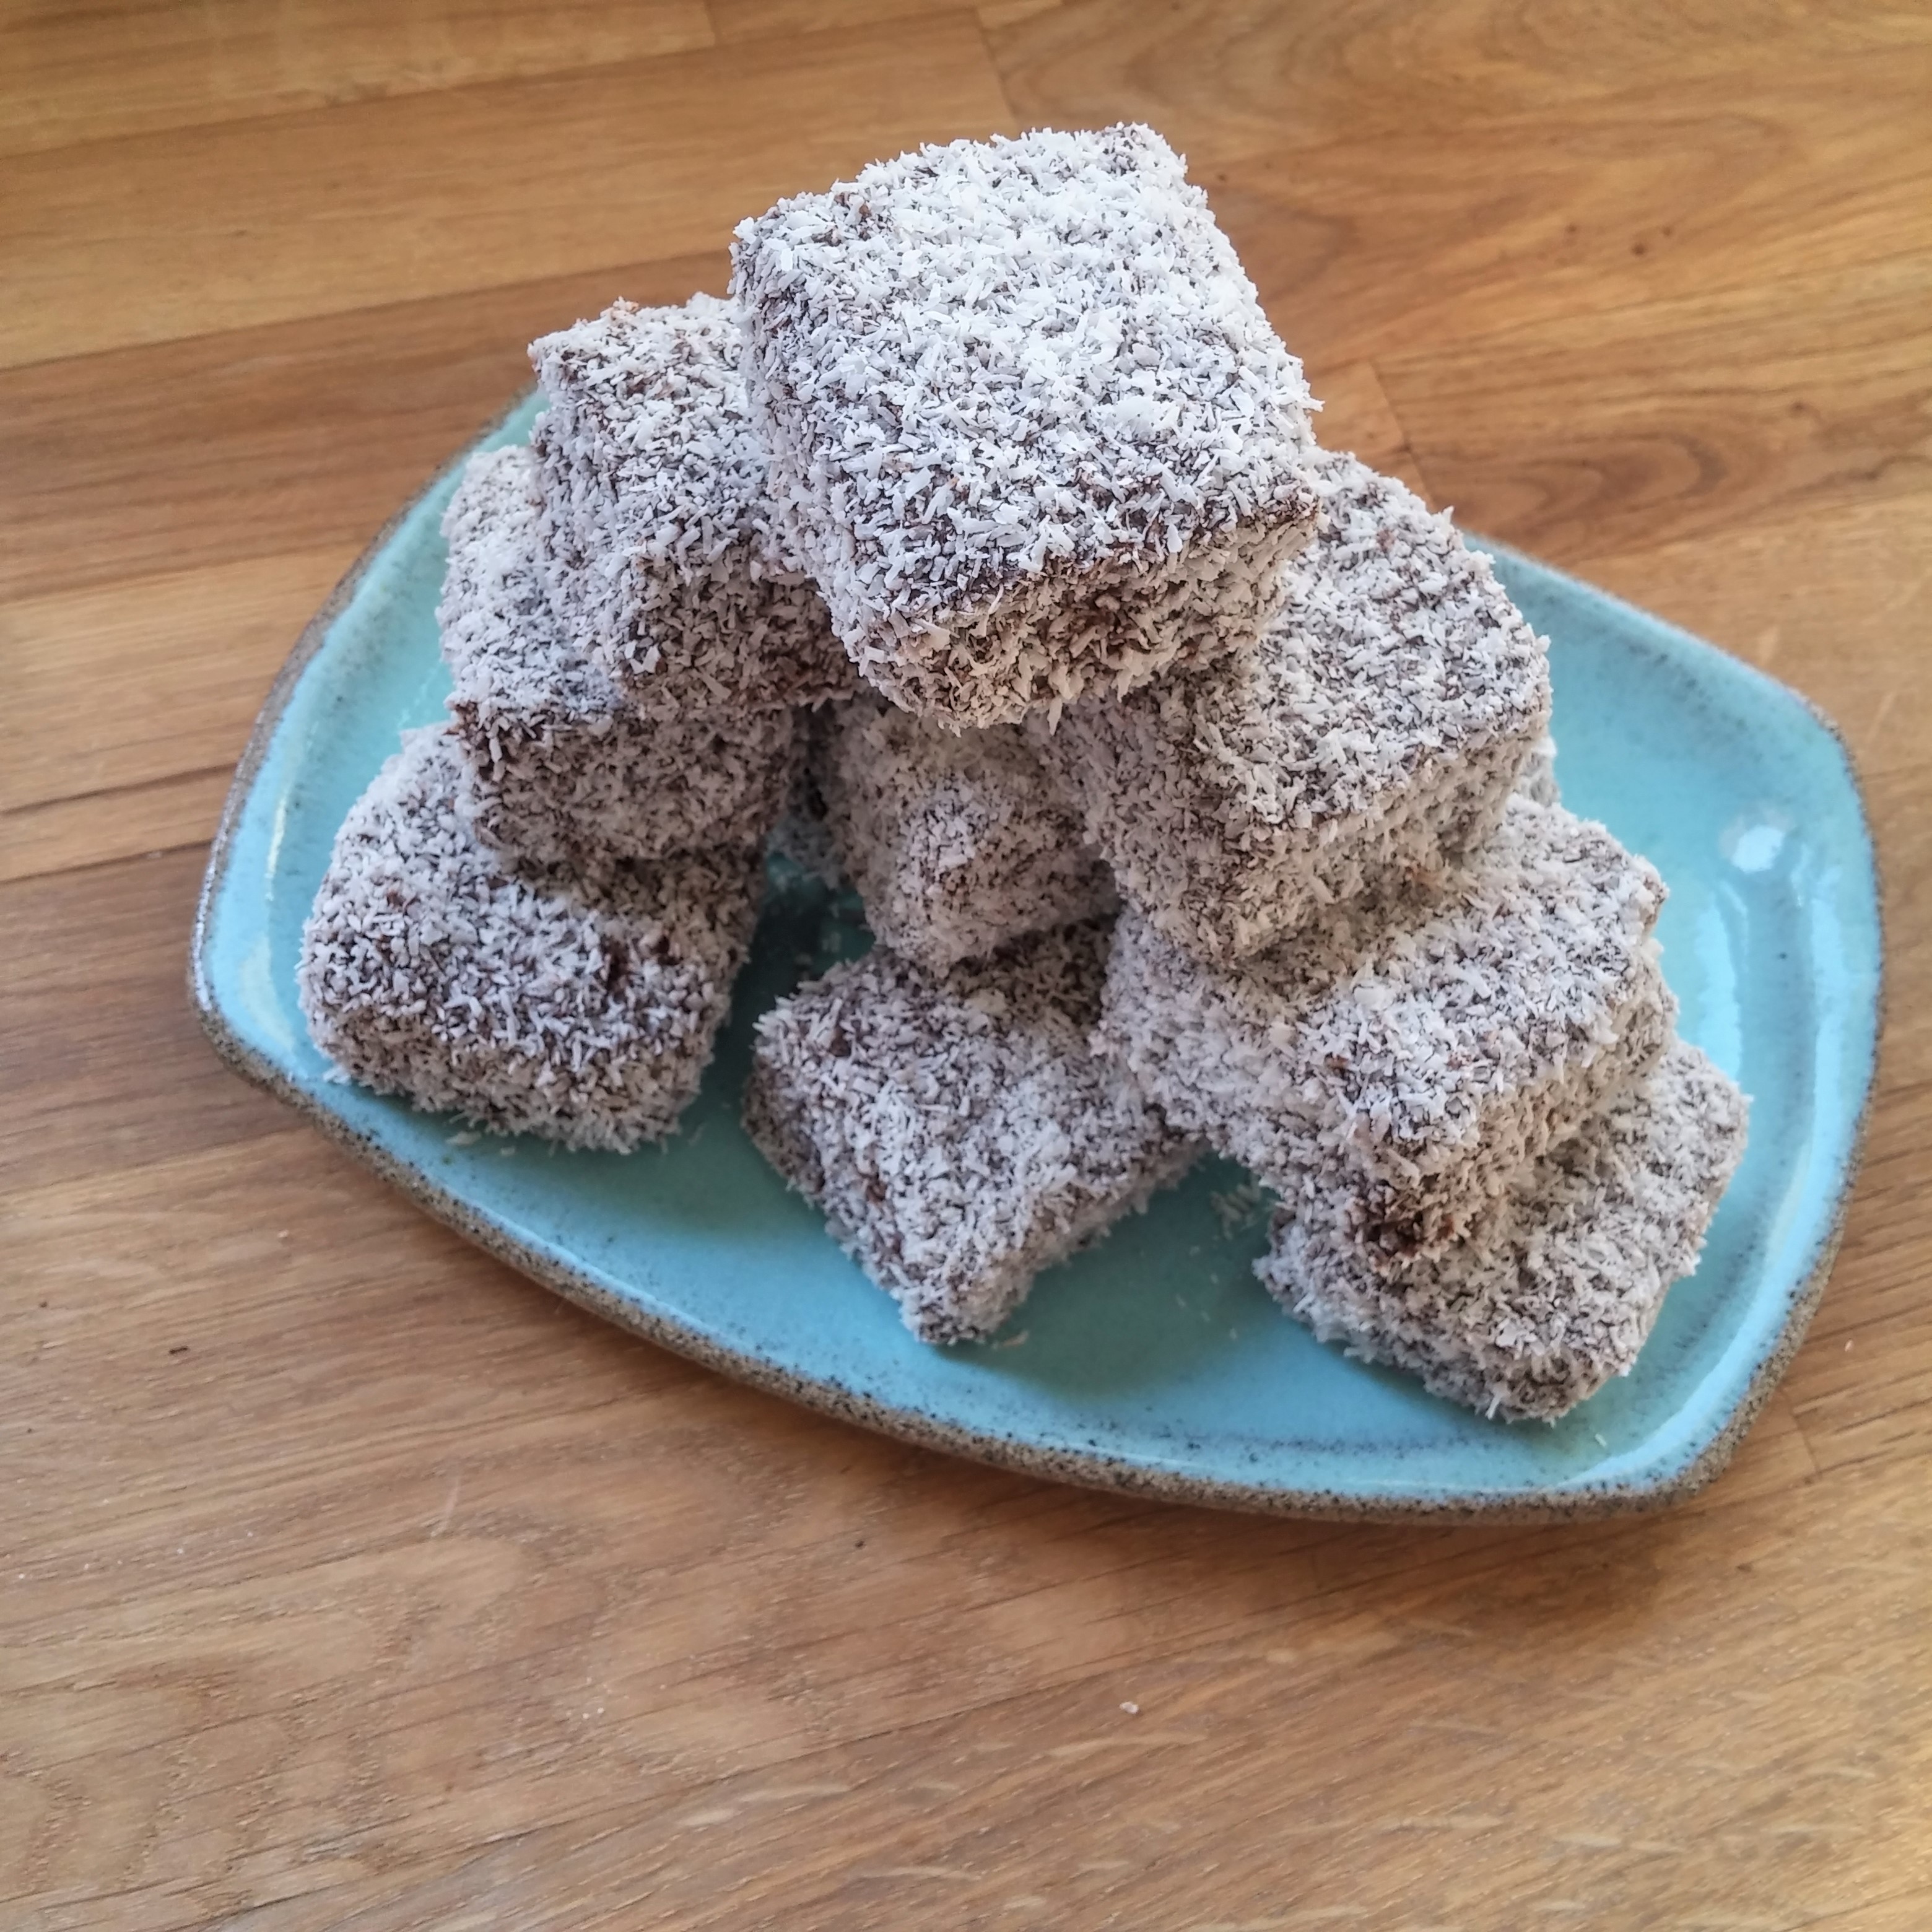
1153 1362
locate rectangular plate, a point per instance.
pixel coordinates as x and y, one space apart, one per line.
1153 1362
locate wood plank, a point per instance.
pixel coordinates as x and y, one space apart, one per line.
739 21
1222 80
994 14
102 1061
1596 434
1861 1389
1832 603
126 707
1904 1912
152 817
63 79
304 436
1404 241
147 679
1899 803
235 226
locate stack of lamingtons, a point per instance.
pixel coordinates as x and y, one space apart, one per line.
1194 780
534 915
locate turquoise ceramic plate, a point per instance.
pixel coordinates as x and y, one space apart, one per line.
1154 1362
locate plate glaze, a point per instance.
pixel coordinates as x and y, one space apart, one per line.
1154 1362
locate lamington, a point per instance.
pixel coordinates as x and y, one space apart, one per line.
956 841
1538 778
658 538
1557 1285
1028 428
532 1003
567 771
1377 729
954 1128
1417 1050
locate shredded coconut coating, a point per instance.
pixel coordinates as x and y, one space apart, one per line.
957 842
567 772
1028 427
1538 780
1377 729
954 1128
1558 1284
1420 1051
526 1003
657 531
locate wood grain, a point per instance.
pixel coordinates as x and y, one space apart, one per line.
739 21
101 769
1868 577
300 436
100 1060
351 1581
230 226
1680 418
1673 191
94 73
1222 81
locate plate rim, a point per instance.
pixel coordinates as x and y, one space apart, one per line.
1094 1469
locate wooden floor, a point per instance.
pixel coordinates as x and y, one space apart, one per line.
347 1580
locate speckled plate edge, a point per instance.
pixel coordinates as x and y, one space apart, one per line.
911 1425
